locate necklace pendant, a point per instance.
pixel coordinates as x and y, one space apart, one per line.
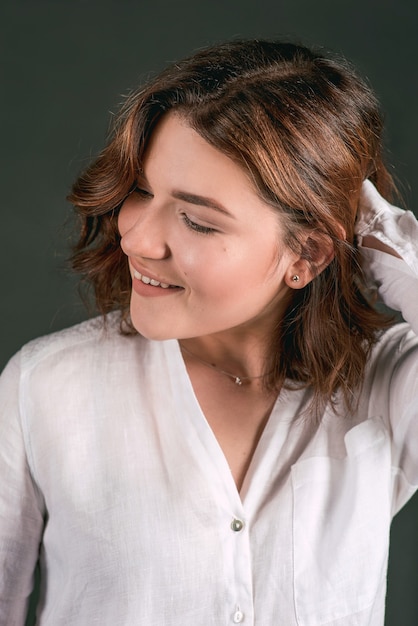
238 380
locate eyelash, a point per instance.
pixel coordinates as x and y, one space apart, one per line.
141 192
197 228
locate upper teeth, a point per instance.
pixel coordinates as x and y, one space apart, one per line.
150 281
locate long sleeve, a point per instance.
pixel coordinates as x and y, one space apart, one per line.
396 388
396 279
21 518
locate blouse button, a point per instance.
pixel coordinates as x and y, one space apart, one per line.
236 526
238 617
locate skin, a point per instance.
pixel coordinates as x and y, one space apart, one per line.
371 242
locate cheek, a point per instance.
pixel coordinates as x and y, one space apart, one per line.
196 270
223 274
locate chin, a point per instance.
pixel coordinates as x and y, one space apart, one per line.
152 333
151 330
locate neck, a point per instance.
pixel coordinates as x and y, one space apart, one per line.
243 357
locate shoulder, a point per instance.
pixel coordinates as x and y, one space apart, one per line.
86 354
76 366
92 354
88 340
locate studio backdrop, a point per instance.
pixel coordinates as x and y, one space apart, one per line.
67 66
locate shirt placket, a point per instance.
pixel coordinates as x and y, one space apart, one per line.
237 554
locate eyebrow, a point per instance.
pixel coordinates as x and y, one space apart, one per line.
201 201
192 198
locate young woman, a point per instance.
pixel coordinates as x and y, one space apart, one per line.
229 441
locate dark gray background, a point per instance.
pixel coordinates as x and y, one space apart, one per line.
66 66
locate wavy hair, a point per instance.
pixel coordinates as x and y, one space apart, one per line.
308 130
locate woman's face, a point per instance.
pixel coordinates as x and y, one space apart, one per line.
205 253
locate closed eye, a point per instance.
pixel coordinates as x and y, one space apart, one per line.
198 228
142 192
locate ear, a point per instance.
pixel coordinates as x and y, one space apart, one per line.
317 252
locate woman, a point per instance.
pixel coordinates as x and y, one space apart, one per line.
230 442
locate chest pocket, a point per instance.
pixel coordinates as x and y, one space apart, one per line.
341 524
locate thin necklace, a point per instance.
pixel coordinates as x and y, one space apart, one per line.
238 380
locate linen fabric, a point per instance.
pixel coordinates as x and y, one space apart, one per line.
111 474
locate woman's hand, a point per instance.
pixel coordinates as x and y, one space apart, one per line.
386 228
388 240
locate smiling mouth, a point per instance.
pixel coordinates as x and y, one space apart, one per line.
151 281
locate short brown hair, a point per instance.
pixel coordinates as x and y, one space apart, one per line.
308 130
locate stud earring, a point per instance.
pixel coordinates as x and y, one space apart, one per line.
295 278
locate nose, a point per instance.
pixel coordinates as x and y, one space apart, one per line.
143 230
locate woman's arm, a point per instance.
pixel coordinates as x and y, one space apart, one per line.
21 516
388 239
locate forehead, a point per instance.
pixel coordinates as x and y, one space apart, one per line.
177 147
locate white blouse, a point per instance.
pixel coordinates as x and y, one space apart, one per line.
111 474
